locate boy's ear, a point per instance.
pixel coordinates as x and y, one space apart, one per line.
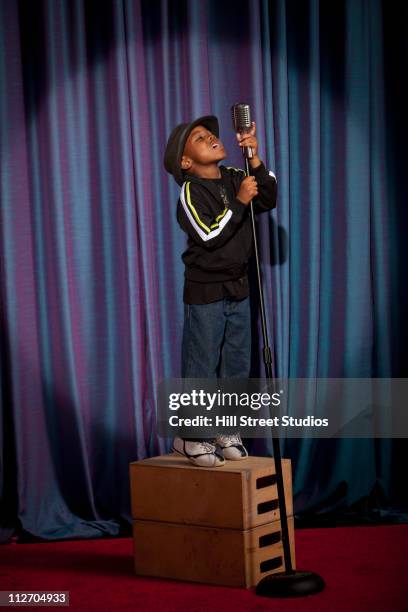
185 162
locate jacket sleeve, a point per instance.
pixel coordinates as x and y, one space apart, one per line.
196 219
267 189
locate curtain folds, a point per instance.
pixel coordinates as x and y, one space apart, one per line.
91 276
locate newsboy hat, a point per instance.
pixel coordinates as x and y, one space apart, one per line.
177 141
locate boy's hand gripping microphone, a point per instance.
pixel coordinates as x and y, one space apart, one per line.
241 119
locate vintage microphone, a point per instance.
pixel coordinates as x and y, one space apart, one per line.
289 583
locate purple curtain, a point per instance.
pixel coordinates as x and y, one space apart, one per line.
91 275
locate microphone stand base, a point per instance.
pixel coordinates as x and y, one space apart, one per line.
294 584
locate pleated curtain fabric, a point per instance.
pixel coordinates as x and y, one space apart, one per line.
91 272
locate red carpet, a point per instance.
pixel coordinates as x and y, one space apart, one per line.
365 569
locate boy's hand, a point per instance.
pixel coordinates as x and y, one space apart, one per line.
249 140
247 190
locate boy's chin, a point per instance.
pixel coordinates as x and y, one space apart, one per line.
221 155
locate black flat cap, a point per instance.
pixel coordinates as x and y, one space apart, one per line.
177 141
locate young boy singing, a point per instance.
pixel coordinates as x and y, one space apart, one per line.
213 210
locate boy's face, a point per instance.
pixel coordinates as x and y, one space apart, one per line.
202 149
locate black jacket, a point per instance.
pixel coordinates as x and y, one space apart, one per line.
218 225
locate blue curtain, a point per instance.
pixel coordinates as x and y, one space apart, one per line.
91 276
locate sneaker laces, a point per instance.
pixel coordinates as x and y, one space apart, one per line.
229 439
206 446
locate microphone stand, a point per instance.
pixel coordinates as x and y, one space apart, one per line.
289 583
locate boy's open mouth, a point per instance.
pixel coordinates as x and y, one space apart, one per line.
215 145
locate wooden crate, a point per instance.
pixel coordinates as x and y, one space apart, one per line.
229 557
216 525
238 495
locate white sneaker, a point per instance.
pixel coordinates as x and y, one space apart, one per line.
203 454
231 446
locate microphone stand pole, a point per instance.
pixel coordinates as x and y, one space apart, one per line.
288 583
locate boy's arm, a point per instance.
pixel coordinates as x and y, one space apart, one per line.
266 181
195 218
267 189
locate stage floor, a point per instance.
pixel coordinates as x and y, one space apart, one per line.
364 568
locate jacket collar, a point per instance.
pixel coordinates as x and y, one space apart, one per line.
209 184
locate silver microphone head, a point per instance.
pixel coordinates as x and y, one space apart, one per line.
241 117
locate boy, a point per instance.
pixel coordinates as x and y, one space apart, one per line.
213 211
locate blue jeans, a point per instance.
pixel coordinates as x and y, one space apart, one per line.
217 340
